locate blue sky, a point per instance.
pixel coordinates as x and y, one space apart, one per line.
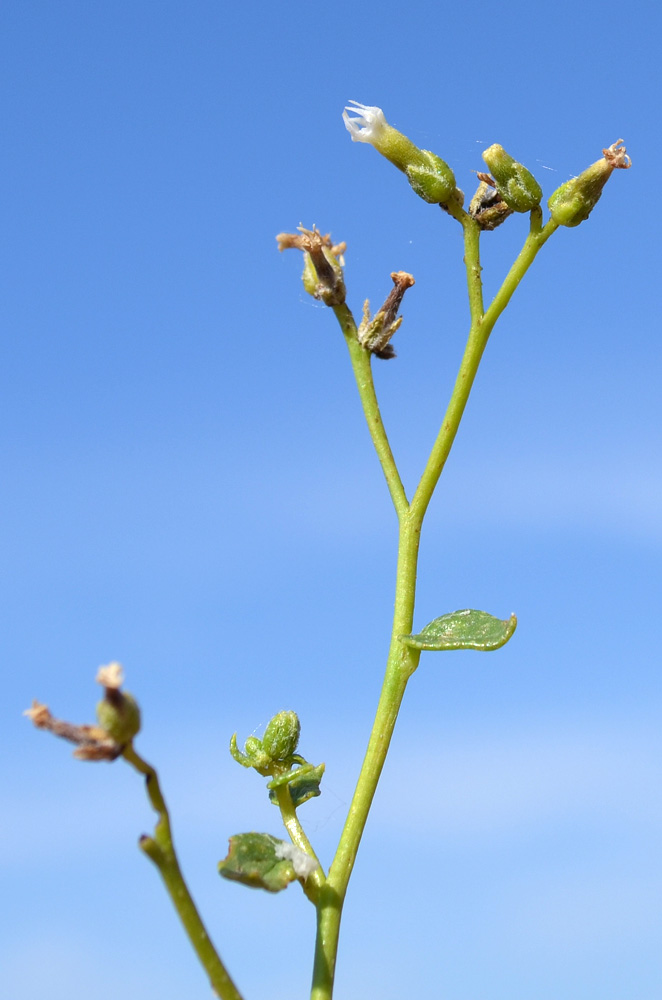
189 489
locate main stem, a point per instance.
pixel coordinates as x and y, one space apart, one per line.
402 661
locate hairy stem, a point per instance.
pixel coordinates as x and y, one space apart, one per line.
161 850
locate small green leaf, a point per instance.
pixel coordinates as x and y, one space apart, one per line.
253 860
463 630
303 788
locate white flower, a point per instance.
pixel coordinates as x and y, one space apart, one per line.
368 125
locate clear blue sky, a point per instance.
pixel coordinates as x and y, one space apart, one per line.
189 489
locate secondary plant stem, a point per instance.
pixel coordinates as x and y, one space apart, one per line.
316 879
360 359
482 325
161 850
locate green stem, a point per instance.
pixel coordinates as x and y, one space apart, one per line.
401 664
482 325
160 849
538 236
316 879
361 363
402 661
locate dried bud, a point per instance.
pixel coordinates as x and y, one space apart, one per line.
516 185
375 334
322 273
430 177
92 742
574 201
487 206
281 737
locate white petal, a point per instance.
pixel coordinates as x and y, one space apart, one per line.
367 124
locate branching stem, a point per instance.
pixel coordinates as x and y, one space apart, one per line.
402 661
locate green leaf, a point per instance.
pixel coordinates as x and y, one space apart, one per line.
303 788
253 860
463 630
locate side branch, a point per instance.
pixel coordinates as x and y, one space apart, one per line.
316 879
482 324
160 849
361 358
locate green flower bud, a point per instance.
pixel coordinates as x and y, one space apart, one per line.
252 746
574 201
516 185
119 715
253 755
281 737
430 177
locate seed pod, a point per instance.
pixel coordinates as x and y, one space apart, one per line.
574 201
516 185
281 737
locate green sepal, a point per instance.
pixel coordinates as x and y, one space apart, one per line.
118 713
303 788
253 756
465 629
281 737
309 276
431 178
574 201
516 185
252 860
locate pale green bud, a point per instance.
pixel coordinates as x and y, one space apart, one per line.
516 185
281 737
253 746
574 201
430 177
432 180
119 715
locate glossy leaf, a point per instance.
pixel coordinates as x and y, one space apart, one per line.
253 860
463 630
